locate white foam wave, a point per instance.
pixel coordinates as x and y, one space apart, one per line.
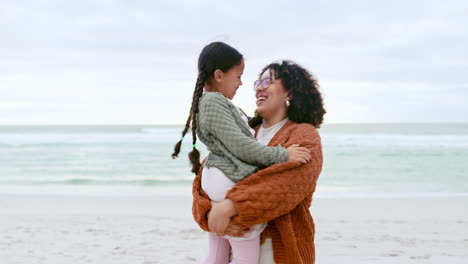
35 139
382 140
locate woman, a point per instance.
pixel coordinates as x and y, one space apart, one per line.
234 153
289 108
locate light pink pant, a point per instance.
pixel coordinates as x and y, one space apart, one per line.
243 251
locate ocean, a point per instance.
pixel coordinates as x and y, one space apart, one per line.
360 160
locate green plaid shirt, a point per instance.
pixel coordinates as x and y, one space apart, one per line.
232 147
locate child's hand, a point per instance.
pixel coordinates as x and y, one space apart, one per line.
296 153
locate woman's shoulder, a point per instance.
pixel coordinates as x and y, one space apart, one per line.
304 130
299 127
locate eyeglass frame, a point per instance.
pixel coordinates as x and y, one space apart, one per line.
261 82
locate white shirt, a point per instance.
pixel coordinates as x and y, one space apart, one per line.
264 135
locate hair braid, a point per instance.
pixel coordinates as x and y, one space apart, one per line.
178 144
194 155
199 83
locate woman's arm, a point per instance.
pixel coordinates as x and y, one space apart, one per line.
270 192
210 216
201 204
278 189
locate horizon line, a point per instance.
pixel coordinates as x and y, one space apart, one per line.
149 124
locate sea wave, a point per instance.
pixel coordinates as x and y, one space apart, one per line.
149 135
185 190
102 182
385 140
17 140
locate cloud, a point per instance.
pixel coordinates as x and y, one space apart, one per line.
127 62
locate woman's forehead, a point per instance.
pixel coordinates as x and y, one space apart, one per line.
267 73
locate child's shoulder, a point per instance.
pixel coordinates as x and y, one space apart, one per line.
214 98
212 95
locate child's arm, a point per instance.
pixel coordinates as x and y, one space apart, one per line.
218 119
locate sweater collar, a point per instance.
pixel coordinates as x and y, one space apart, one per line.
280 134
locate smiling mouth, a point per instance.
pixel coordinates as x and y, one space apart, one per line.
261 100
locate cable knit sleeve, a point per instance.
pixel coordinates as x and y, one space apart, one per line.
201 205
278 189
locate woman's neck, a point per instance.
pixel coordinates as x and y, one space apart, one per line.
269 122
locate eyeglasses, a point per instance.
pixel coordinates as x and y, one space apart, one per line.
264 82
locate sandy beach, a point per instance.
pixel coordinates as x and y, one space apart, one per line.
159 229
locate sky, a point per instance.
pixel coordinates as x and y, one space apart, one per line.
134 62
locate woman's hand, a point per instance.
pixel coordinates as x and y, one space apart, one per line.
296 153
220 216
236 230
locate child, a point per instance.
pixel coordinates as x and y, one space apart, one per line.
234 153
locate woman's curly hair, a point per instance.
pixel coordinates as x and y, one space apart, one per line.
306 101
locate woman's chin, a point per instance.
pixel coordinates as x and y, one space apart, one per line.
260 110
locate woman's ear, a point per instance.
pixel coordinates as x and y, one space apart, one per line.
218 75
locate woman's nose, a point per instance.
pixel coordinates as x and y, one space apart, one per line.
257 92
258 88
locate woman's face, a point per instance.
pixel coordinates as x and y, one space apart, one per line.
271 101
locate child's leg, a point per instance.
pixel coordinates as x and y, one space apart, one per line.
218 250
245 251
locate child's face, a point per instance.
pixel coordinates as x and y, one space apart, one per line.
231 80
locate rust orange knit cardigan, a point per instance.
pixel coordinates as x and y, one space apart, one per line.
280 195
